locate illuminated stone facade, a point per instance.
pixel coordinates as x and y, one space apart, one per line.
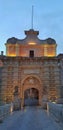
31 64
16 47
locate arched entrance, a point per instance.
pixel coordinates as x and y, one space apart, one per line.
31 97
31 91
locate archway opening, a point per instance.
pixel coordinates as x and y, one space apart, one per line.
31 97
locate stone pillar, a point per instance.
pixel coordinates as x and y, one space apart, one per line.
22 103
22 99
17 101
40 98
17 49
45 50
7 50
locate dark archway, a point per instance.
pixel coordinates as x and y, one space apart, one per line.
31 83
31 97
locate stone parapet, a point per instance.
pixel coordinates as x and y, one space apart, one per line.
56 110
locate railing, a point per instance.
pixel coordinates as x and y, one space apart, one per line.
56 110
5 110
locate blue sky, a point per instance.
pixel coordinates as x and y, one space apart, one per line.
15 17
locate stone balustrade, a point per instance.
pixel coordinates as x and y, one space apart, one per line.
5 110
56 110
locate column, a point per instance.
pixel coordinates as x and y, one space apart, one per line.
45 50
17 49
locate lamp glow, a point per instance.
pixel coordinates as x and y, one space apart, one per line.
32 43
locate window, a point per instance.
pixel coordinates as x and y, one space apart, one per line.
31 54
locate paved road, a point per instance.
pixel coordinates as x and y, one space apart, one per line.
31 118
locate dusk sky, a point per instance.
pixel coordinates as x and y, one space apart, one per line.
15 17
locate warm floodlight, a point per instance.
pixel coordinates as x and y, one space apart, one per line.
31 43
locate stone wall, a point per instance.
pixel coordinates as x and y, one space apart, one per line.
56 110
5 110
16 69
